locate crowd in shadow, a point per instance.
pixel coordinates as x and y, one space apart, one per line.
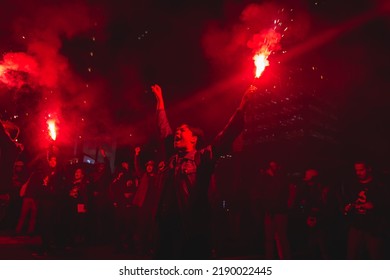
186 206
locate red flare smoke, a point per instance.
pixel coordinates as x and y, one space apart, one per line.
263 44
13 64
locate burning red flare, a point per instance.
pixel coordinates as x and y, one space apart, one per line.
51 124
263 44
261 61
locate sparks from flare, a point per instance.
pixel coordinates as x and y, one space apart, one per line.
264 44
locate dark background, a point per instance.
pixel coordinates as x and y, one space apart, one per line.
188 47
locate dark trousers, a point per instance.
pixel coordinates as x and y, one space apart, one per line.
275 227
29 207
47 222
125 227
361 241
176 243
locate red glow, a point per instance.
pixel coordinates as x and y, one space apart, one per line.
12 64
261 62
51 124
263 44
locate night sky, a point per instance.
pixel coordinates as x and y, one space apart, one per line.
91 63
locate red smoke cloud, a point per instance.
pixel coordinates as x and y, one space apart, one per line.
40 70
41 34
13 65
267 24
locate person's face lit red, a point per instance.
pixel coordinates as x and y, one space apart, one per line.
161 165
361 171
53 162
125 165
149 168
184 139
78 174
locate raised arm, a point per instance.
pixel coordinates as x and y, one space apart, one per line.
107 167
236 123
103 153
162 120
246 97
159 97
137 165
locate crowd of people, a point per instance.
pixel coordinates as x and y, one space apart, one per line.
165 210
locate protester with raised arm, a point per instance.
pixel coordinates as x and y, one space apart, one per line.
183 214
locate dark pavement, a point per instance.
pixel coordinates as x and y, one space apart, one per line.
25 247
